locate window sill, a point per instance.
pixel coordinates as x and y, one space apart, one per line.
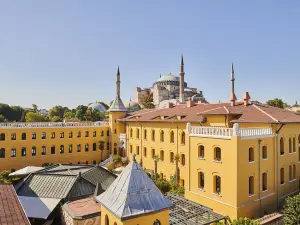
201 158
282 184
201 189
251 195
217 194
265 191
290 153
251 161
290 181
282 154
217 161
264 158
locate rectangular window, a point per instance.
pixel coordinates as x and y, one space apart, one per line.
33 151
94 133
201 180
251 185
145 152
79 148
130 149
86 147
52 149
79 134
70 134
62 134
107 133
182 160
13 136
264 182
137 150
13 153
61 149
152 153
23 137
217 188
52 135
70 148
107 146
171 157
33 136
23 151
86 134
43 135
43 150
282 176
94 147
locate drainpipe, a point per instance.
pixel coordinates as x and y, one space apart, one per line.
258 152
276 163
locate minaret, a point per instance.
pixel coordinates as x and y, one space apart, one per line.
232 79
118 82
181 75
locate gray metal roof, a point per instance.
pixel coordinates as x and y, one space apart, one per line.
132 194
47 186
117 105
64 169
81 188
100 175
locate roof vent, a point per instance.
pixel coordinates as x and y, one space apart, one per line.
190 103
246 98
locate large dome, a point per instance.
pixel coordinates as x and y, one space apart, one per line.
97 106
169 77
132 106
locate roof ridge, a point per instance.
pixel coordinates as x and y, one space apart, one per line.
211 109
226 108
267 114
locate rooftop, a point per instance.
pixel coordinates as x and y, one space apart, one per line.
52 124
252 113
11 210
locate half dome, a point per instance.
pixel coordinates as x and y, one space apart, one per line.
97 106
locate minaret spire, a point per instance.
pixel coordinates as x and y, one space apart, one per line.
232 79
118 82
181 75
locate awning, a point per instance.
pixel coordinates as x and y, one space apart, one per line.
38 207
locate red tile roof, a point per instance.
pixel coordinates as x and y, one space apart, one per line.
11 210
252 113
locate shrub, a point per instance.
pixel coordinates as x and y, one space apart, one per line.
244 221
292 210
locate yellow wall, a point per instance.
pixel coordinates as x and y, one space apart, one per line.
116 127
75 157
162 216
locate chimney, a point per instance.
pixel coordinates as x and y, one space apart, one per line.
190 103
170 105
246 98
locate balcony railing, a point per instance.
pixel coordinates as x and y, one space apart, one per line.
53 124
227 133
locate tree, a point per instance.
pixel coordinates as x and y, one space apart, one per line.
80 112
276 102
292 210
177 158
116 160
69 115
34 107
33 117
2 118
6 179
56 119
57 111
147 101
155 159
94 115
244 221
11 113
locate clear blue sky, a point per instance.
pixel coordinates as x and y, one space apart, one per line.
67 52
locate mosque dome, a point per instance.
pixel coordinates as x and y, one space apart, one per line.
169 77
97 106
132 106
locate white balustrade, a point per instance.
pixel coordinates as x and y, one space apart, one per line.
53 124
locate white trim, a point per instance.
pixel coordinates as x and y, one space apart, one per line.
257 136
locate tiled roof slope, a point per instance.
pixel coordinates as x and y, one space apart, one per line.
132 194
252 113
11 210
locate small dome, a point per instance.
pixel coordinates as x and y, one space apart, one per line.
169 77
134 106
97 106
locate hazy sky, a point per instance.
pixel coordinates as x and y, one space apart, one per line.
67 52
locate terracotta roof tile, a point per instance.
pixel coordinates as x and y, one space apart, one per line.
252 113
11 210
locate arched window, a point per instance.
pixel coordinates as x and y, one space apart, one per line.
70 148
13 153
94 133
87 134
162 155
294 144
23 151
264 152
281 146
130 149
52 135
94 147
94 162
251 155
294 171
145 152
162 136
79 148
157 222
172 137
33 151
171 157
182 138
78 134
138 133
107 133
2 137
43 135
70 134
251 185
182 160
23 136
201 151
217 184
153 135
115 223
86 147
130 132
62 149
152 153
43 150
145 134
290 145
13 136
281 175
33 136
264 182
2 153
53 149
201 180
106 220
299 148
137 150
217 154
102 133
290 173
62 134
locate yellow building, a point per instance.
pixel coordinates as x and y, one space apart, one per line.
238 158
23 144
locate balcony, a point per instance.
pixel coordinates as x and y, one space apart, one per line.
227 133
53 124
